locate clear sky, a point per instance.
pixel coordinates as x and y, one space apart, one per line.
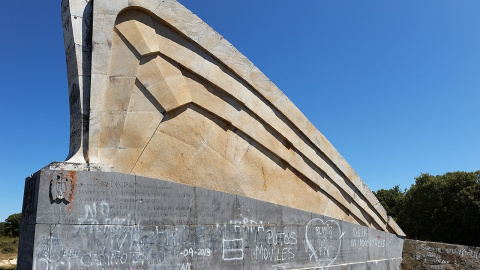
393 85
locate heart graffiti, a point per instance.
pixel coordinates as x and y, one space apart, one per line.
324 240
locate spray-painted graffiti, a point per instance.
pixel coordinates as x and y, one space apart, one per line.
323 239
101 240
106 226
432 255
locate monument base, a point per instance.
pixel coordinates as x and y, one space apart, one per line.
78 218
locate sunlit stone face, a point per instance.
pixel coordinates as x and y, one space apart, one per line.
171 99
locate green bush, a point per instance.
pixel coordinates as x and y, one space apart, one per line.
2 229
12 225
443 208
9 249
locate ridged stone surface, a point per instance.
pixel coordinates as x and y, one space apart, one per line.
169 98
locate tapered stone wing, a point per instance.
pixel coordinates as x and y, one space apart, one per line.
156 92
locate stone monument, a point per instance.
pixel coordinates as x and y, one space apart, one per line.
183 155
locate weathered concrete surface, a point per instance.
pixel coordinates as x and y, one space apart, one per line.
106 220
158 93
421 255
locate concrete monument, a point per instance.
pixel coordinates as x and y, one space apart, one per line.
183 155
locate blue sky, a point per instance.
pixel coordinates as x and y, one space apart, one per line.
393 85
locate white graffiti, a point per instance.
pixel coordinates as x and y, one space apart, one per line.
247 224
281 265
323 239
110 241
232 250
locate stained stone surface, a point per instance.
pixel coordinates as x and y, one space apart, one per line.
431 255
106 220
156 92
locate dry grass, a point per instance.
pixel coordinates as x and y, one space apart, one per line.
8 248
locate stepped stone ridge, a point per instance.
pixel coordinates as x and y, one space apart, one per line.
184 155
156 92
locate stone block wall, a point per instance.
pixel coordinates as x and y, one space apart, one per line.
420 255
106 220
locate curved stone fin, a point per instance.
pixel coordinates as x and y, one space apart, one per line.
165 82
138 29
214 119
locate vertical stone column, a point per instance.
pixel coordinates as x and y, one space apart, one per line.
77 32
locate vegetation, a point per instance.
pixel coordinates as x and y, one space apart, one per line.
8 267
2 228
9 233
442 208
8 247
12 225
391 200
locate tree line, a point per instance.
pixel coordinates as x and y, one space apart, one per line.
11 226
443 208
